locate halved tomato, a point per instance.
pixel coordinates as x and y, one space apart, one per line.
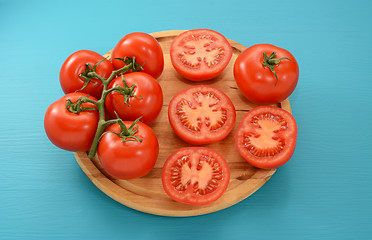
200 54
201 114
266 137
195 175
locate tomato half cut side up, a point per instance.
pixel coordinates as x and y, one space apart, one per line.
200 54
195 175
201 114
266 137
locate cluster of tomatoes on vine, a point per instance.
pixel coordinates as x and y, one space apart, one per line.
110 105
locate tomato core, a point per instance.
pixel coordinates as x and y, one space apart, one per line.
266 137
201 110
198 49
264 141
201 174
200 54
201 114
195 175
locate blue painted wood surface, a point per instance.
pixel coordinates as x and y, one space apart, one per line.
325 192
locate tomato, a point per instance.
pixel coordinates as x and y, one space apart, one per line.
200 54
71 131
146 99
266 137
131 159
75 64
255 79
195 175
145 48
201 114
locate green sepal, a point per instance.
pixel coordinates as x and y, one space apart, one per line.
271 62
77 106
126 91
90 73
135 67
127 134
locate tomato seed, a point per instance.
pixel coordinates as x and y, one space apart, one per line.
184 112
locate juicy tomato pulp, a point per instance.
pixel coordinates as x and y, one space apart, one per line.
266 137
201 114
200 54
195 175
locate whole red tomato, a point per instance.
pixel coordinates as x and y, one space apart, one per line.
144 48
266 80
75 64
71 131
128 159
146 98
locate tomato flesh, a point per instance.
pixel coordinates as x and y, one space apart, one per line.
266 137
201 114
195 175
200 54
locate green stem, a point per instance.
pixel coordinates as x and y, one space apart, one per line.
85 99
100 129
110 122
117 72
102 123
95 75
77 107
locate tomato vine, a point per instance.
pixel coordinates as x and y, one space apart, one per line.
76 107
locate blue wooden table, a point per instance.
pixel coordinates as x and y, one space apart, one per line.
324 192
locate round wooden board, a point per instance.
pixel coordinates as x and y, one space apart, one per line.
146 194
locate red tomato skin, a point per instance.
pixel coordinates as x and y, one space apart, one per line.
290 136
257 83
128 160
147 103
71 131
188 197
196 138
207 73
75 64
145 48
